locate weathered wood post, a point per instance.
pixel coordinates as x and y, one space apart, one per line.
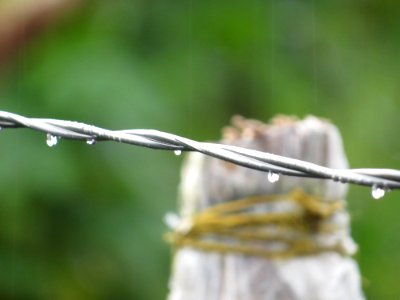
243 236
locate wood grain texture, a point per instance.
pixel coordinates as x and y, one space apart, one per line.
206 181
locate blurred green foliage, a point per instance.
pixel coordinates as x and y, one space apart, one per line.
80 222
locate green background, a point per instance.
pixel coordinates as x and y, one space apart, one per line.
85 222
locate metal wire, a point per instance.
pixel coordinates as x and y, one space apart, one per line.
379 179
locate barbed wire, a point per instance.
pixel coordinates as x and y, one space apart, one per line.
380 180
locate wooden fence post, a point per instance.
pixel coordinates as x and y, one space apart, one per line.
323 272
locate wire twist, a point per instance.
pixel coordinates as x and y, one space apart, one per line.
379 179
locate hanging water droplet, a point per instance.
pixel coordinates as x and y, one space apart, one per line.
178 152
377 192
273 177
1 128
51 140
91 142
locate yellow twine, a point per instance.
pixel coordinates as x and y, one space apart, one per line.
231 227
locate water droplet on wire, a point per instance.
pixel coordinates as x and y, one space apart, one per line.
91 142
273 177
51 140
377 192
178 152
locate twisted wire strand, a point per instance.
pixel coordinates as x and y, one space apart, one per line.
263 161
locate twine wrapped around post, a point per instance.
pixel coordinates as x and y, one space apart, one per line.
244 234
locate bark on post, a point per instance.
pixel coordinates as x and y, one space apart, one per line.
328 275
